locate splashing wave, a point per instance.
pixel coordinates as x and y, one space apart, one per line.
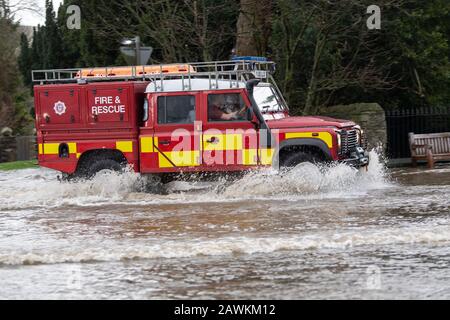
40 187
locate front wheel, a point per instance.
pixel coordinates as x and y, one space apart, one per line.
294 159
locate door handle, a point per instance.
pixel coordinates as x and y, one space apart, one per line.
212 140
165 142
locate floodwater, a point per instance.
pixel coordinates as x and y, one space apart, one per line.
333 233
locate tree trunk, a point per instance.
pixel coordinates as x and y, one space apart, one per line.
311 95
254 27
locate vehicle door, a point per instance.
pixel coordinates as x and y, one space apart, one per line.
174 144
230 140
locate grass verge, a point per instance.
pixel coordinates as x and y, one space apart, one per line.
8 166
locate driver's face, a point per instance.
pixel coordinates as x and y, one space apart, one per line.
231 100
218 101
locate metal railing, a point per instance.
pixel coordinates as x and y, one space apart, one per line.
419 120
232 71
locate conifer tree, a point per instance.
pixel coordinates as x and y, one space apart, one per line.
24 60
53 50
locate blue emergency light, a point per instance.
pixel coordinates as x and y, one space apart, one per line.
249 58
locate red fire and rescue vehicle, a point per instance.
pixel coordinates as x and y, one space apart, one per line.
197 117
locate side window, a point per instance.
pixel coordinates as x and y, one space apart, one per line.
226 107
145 110
176 109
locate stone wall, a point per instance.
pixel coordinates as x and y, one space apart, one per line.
370 116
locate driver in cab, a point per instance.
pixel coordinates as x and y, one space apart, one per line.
225 107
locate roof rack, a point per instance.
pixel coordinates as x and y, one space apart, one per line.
233 71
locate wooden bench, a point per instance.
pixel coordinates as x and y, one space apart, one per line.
431 147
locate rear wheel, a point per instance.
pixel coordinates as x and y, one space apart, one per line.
294 159
105 165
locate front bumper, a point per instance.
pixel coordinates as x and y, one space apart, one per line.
358 159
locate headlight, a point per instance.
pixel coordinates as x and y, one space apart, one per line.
363 139
359 134
339 140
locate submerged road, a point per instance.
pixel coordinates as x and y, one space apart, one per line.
306 234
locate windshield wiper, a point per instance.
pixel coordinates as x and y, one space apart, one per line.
265 109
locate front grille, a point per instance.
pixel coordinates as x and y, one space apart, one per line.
349 142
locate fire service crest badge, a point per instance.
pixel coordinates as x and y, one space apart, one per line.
60 108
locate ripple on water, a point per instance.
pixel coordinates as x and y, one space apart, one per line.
85 251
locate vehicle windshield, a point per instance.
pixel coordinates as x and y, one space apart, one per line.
268 100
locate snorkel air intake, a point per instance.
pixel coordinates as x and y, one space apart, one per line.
250 86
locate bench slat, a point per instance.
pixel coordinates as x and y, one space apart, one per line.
420 147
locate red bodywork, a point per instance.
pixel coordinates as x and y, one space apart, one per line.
107 116
79 127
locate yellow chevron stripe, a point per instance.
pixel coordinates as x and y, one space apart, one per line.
266 156
53 148
250 157
72 148
124 146
147 144
324 136
180 159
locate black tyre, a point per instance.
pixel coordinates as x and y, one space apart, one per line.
295 158
101 165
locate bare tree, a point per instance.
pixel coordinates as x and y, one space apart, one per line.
8 42
181 30
254 27
342 53
10 8
10 84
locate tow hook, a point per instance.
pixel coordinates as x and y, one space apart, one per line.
362 156
359 158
